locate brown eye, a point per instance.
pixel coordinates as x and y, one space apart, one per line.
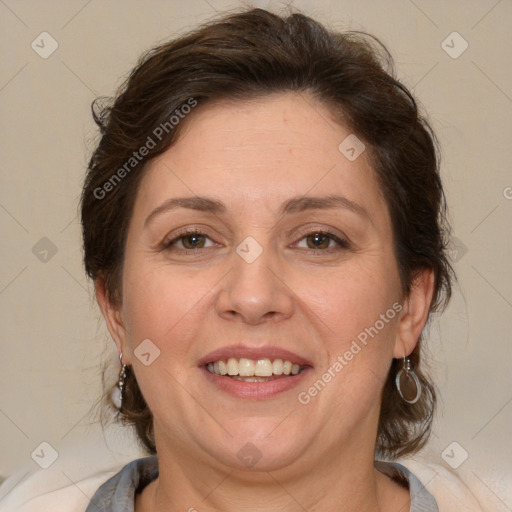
187 242
322 240
193 241
318 241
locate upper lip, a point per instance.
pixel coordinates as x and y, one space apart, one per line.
251 352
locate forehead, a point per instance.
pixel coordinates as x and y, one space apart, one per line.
259 153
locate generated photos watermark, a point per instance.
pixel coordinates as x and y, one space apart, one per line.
304 397
138 156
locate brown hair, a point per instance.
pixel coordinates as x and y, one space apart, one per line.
254 53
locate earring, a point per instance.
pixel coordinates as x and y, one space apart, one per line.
117 392
407 383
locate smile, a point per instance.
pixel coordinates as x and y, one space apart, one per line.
250 370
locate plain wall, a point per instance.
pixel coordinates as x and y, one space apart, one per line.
53 342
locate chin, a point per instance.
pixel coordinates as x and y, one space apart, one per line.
262 445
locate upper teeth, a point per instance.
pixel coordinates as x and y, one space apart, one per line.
249 368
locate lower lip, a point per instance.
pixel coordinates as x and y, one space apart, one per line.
255 390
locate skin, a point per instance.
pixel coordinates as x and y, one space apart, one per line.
253 156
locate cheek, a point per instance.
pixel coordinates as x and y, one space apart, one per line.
357 307
359 313
159 302
350 299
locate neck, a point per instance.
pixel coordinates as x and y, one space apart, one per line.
337 481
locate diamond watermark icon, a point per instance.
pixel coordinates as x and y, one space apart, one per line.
44 45
44 249
147 352
454 45
44 455
249 249
351 147
454 455
249 454
457 249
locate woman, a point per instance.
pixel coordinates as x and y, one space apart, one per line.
263 219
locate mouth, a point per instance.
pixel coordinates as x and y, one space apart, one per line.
251 370
256 373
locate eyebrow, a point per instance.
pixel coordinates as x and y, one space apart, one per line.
293 205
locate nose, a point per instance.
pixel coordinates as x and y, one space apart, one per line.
255 292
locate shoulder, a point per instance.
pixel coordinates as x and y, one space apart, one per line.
118 492
82 466
63 495
450 492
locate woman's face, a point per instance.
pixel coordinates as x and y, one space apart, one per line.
276 272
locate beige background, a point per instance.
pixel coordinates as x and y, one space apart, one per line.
52 340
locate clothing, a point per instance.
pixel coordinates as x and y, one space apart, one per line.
118 493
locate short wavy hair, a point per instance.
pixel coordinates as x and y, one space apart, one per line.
250 54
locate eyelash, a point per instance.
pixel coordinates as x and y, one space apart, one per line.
342 244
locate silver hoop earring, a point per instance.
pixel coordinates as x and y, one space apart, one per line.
117 392
407 383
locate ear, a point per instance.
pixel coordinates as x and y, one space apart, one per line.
414 313
112 314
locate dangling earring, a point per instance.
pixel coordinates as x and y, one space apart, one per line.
407 383
117 392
